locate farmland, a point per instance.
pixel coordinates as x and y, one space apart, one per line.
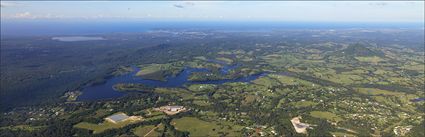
237 84
198 127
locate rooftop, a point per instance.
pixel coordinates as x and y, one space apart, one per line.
171 107
118 117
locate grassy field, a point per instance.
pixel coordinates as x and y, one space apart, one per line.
227 60
98 128
374 91
326 115
291 80
201 63
373 59
159 71
414 66
142 130
266 81
249 99
151 113
342 134
149 130
151 69
198 127
23 127
345 78
156 117
182 93
201 102
200 58
280 60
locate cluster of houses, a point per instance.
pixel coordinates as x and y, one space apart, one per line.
72 95
402 130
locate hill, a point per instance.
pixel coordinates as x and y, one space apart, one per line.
357 50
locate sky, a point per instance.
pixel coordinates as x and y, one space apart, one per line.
313 11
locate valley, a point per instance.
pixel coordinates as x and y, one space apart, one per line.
230 84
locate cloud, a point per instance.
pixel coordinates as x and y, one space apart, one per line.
184 5
5 4
29 15
23 15
178 6
8 4
381 4
190 3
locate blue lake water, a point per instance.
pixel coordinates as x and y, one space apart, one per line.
106 91
417 99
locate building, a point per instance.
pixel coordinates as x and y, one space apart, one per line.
175 108
119 117
171 110
299 127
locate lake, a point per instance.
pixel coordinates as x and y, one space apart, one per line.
417 100
106 91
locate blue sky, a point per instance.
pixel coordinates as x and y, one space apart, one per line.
331 11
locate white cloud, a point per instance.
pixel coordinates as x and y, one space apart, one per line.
184 5
23 15
5 4
220 10
29 15
378 3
